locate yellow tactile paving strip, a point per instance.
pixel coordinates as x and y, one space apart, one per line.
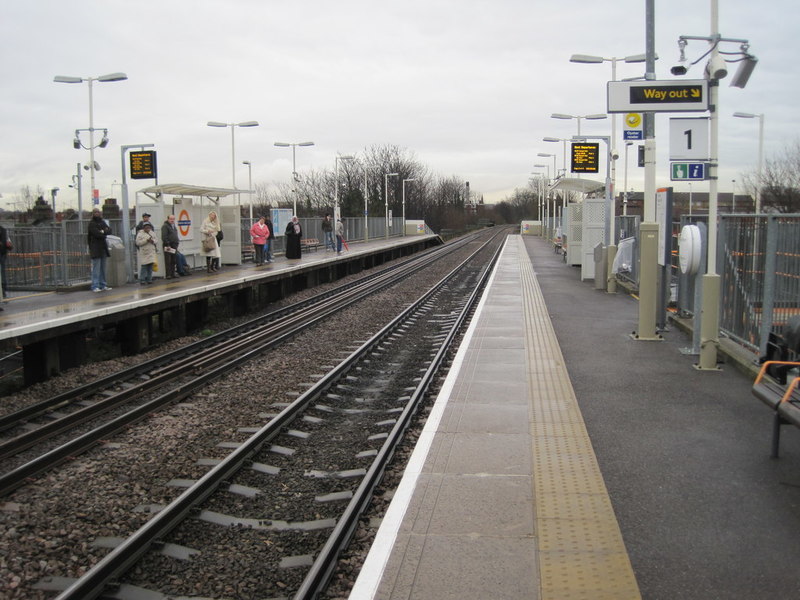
581 554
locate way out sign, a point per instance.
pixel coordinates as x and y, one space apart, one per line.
657 96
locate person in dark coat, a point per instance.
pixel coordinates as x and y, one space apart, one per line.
268 245
98 249
170 242
294 233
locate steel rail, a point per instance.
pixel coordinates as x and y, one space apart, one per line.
165 361
19 475
321 570
116 562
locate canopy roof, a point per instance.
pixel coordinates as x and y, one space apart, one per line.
574 184
182 189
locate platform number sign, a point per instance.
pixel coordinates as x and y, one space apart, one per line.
688 139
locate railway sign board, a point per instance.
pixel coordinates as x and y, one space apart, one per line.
585 157
657 96
143 165
687 171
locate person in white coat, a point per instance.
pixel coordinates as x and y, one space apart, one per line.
146 245
209 244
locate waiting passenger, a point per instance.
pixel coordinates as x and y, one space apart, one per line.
98 249
259 233
146 243
294 233
170 242
209 246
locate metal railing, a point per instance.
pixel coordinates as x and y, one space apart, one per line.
56 255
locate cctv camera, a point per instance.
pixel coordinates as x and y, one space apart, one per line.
716 67
742 75
678 70
614 155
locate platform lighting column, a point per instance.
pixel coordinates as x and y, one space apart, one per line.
386 194
126 217
555 176
404 202
295 177
250 186
547 199
336 185
90 80
366 207
760 117
233 127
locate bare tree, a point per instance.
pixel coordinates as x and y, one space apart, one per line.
779 182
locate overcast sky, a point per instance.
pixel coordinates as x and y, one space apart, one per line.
467 86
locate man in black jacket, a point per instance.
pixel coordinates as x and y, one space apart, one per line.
169 241
98 250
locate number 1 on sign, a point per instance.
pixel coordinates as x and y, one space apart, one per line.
688 134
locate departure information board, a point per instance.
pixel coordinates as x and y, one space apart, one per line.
143 165
585 157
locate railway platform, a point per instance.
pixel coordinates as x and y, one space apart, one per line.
51 328
565 459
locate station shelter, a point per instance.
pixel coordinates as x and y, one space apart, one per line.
191 204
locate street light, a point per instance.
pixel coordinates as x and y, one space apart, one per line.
594 117
590 59
90 80
250 186
564 148
53 193
336 185
760 117
386 193
294 169
625 185
233 126
404 202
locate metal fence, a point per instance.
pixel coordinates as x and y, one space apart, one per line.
56 255
758 260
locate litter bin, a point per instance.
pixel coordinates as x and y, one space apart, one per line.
116 274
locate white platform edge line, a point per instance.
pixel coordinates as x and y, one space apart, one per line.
369 578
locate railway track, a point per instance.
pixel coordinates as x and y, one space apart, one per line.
33 438
286 499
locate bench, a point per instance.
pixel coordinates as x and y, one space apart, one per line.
780 396
309 244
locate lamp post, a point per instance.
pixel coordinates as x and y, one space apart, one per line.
77 184
250 186
233 127
336 185
589 59
594 117
404 202
386 193
760 117
564 148
547 208
294 168
90 80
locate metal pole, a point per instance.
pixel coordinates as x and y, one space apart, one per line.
648 237
366 208
233 158
709 342
760 161
91 144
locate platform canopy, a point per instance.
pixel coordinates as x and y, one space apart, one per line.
574 184
182 189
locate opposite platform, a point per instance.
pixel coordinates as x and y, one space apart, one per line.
503 497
